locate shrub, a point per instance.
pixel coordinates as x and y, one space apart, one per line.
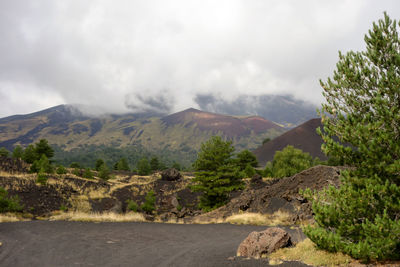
143 167
132 206
149 203
87 174
249 171
61 170
104 172
4 152
43 165
41 178
8 204
290 161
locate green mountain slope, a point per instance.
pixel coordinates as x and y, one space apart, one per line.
180 133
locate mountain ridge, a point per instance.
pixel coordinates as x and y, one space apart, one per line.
181 132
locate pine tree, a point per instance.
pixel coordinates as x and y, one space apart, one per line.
43 148
4 152
18 152
143 167
30 155
246 158
216 173
361 217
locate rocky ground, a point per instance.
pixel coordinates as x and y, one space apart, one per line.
174 199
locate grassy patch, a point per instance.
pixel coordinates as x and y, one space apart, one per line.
307 252
98 217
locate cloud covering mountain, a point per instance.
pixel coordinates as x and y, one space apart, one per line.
161 55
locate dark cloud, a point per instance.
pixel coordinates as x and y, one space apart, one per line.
160 104
283 109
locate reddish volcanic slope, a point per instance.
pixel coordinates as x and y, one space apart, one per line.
303 137
231 126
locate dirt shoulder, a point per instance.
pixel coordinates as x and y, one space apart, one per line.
60 243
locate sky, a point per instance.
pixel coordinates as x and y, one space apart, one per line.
127 55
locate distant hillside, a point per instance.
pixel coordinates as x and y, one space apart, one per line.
285 110
303 137
182 132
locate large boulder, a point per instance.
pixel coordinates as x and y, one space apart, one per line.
171 174
258 244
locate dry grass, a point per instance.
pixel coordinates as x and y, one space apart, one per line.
10 217
308 253
98 217
278 218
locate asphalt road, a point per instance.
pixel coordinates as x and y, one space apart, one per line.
44 243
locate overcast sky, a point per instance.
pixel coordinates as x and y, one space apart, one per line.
121 55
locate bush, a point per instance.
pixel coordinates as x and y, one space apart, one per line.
41 178
8 204
87 174
104 173
288 162
61 170
4 152
99 163
143 167
149 203
132 206
249 171
43 165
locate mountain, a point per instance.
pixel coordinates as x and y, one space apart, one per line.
303 137
283 109
183 132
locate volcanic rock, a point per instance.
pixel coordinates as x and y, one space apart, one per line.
265 242
171 174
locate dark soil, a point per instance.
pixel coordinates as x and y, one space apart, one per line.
44 243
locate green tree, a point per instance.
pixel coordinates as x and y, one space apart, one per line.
216 173
154 164
245 158
289 161
75 165
18 152
177 166
30 155
143 167
362 109
104 172
266 140
43 148
42 166
98 164
4 152
122 165
149 203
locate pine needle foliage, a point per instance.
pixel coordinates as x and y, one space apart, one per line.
216 173
362 110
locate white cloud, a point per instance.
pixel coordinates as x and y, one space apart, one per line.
108 53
